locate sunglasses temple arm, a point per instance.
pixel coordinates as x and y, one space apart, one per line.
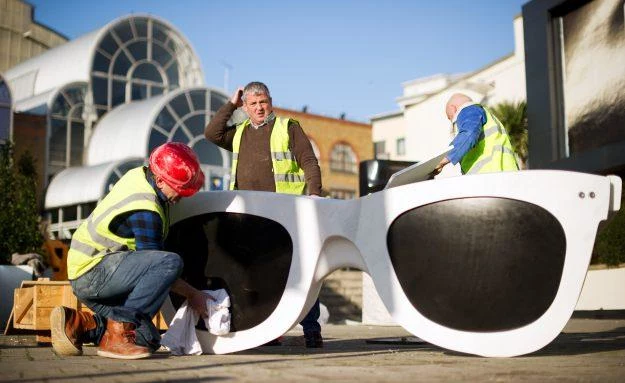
614 203
616 186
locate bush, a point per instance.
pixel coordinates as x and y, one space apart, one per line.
19 218
513 116
610 244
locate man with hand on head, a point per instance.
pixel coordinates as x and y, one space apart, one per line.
481 144
116 264
271 153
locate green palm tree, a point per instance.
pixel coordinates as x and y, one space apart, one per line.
513 116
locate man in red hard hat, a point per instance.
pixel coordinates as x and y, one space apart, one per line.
116 263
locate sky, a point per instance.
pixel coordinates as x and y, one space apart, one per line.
333 56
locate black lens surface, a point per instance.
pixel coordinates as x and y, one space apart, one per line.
247 255
478 264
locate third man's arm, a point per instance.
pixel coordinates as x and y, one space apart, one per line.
217 130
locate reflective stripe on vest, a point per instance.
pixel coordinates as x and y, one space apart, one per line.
288 176
93 239
493 152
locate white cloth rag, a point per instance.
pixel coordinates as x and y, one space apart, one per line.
181 338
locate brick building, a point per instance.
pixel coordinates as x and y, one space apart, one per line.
340 145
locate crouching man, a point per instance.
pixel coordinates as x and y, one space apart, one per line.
116 263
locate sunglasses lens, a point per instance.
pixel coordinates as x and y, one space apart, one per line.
478 264
249 256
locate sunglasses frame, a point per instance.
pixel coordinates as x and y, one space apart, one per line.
329 234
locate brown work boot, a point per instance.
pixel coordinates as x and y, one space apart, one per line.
67 327
118 342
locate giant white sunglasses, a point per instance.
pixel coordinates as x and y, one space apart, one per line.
489 264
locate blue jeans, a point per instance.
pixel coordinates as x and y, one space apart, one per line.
129 286
310 323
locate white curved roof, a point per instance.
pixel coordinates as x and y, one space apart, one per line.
124 131
46 98
83 184
69 62
56 67
30 103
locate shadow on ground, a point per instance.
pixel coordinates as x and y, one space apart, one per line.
585 343
578 343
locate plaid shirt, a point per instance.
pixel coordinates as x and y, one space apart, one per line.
144 225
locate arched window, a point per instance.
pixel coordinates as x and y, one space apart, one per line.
343 159
184 118
119 171
67 129
138 58
5 112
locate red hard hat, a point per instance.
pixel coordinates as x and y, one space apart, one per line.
177 165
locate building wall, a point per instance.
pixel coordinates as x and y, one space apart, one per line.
388 130
29 135
20 36
326 132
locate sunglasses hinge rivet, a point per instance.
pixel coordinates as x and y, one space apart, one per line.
592 194
582 195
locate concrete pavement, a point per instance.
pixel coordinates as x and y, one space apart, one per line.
587 350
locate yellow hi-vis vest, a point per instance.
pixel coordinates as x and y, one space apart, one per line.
94 239
287 174
493 152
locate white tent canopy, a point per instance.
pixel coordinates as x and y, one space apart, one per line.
85 184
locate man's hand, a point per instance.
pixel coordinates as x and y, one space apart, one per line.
237 97
197 301
439 167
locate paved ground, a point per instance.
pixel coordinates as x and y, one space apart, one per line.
588 350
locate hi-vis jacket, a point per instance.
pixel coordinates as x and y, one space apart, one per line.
493 152
94 239
288 176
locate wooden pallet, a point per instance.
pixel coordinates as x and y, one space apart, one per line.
34 300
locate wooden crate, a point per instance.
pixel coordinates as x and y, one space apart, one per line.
34 300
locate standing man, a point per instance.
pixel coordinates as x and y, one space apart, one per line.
116 263
270 154
482 144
